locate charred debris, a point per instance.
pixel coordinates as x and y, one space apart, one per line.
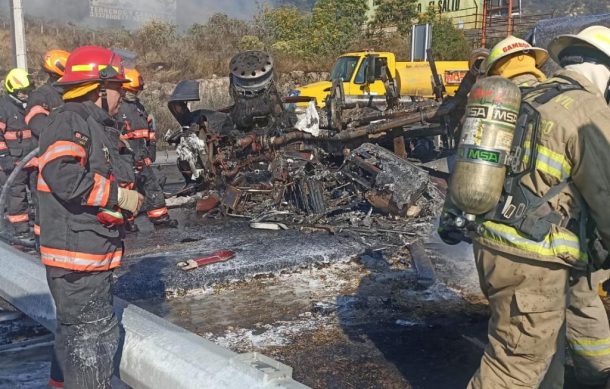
358 166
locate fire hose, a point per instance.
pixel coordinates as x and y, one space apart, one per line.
5 189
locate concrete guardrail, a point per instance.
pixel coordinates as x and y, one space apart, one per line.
155 352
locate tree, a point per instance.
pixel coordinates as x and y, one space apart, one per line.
448 42
204 37
394 13
282 24
334 25
155 35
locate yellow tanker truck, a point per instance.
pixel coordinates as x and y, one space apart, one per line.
412 79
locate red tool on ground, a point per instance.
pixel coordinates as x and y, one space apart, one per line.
216 256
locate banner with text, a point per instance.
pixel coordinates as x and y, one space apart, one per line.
139 11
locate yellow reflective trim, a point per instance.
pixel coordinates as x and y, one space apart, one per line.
82 68
560 158
602 37
549 162
597 353
590 342
89 67
495 54
590 347
554 244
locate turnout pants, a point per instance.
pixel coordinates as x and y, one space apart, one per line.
87 334
154 198
18 206
535 306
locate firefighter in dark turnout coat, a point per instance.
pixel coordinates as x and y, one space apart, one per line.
44 99
17 143
83 185
41 102
138 131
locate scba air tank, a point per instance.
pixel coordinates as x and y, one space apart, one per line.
485 143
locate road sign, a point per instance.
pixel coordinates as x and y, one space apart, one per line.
128 10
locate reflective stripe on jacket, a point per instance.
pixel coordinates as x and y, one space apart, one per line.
136 128
16 135
80 170
40 103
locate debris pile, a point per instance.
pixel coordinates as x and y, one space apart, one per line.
373 194
284 164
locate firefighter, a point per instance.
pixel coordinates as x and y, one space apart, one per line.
47 97
44 99
517 60
139 132
84 201
535 269
18 140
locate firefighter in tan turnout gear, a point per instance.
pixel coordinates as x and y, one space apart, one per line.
517 60
16 143
83 201
536 250
137 129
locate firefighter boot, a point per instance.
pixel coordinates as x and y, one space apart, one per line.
130 226
22 231
164 221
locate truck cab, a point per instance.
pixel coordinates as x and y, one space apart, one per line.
365 72
352 68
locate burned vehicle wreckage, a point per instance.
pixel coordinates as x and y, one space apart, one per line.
282 162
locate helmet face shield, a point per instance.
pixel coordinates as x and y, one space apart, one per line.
109 72
114 68
18 81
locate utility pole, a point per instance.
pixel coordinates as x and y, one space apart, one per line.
18 34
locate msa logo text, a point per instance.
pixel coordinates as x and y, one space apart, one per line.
504 115
477 111
484 155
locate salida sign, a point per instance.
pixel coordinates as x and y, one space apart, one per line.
444 6
463 13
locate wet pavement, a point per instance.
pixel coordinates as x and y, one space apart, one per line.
342 312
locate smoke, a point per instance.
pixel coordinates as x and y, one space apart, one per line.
199 11
187 11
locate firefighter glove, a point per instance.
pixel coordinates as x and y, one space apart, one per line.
130 200
448 229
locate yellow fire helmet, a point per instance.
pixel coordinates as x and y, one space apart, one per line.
17 79
513 45
596 36
54 61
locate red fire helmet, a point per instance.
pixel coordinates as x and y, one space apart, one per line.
87 64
